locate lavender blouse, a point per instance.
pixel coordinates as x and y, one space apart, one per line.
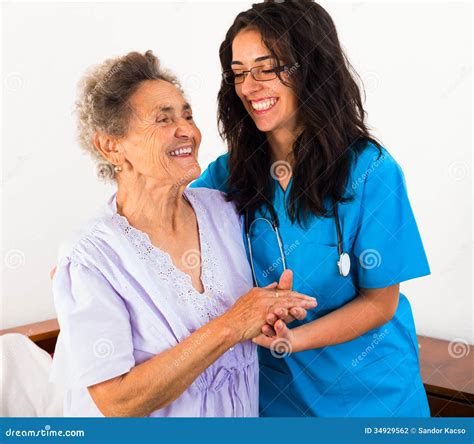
120 301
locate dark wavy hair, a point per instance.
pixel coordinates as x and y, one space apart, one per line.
330 111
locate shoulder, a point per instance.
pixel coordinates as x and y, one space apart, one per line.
372 163
85 242
215 176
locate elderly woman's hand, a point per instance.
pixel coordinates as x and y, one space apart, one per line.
249 314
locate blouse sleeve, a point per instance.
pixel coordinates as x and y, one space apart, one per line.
95 340
388 247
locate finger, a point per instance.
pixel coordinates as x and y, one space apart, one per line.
289 303
268 331
52 273
282 330
293 294
272 285
263 340
286 280
298 313
281 313
271 318
287 319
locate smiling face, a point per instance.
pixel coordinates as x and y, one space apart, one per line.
162 140
271 104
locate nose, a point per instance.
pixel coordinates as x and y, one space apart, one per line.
249 85
184 129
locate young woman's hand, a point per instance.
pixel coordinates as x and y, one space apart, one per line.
286 315
279 338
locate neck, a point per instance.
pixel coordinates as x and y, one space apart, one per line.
281 144
152 207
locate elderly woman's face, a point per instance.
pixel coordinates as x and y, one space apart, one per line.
162 140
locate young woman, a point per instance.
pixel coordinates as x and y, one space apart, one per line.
323 198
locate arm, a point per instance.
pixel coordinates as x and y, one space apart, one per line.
372 308
162 379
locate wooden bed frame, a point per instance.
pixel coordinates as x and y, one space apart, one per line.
448 380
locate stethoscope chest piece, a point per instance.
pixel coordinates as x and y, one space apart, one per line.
344 264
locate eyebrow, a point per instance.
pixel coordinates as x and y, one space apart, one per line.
169 108
258 59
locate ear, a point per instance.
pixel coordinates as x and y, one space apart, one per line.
108 148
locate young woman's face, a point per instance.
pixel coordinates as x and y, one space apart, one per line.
271 104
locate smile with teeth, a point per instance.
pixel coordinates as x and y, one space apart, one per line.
181 151
263 105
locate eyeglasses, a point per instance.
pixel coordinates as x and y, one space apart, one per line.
262 73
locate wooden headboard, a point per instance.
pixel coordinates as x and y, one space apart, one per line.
448 379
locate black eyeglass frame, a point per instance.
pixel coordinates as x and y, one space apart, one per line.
277 70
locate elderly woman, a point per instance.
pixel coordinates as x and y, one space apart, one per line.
147 294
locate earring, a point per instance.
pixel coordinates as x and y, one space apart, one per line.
117 168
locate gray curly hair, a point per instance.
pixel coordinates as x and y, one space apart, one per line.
102 102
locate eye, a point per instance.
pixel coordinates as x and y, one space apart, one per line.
189 118
238 75
162 119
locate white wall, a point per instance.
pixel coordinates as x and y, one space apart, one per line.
414 59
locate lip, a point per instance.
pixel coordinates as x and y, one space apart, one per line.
264 111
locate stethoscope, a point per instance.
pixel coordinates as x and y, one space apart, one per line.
343 264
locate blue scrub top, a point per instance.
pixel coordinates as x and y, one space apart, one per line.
377 374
